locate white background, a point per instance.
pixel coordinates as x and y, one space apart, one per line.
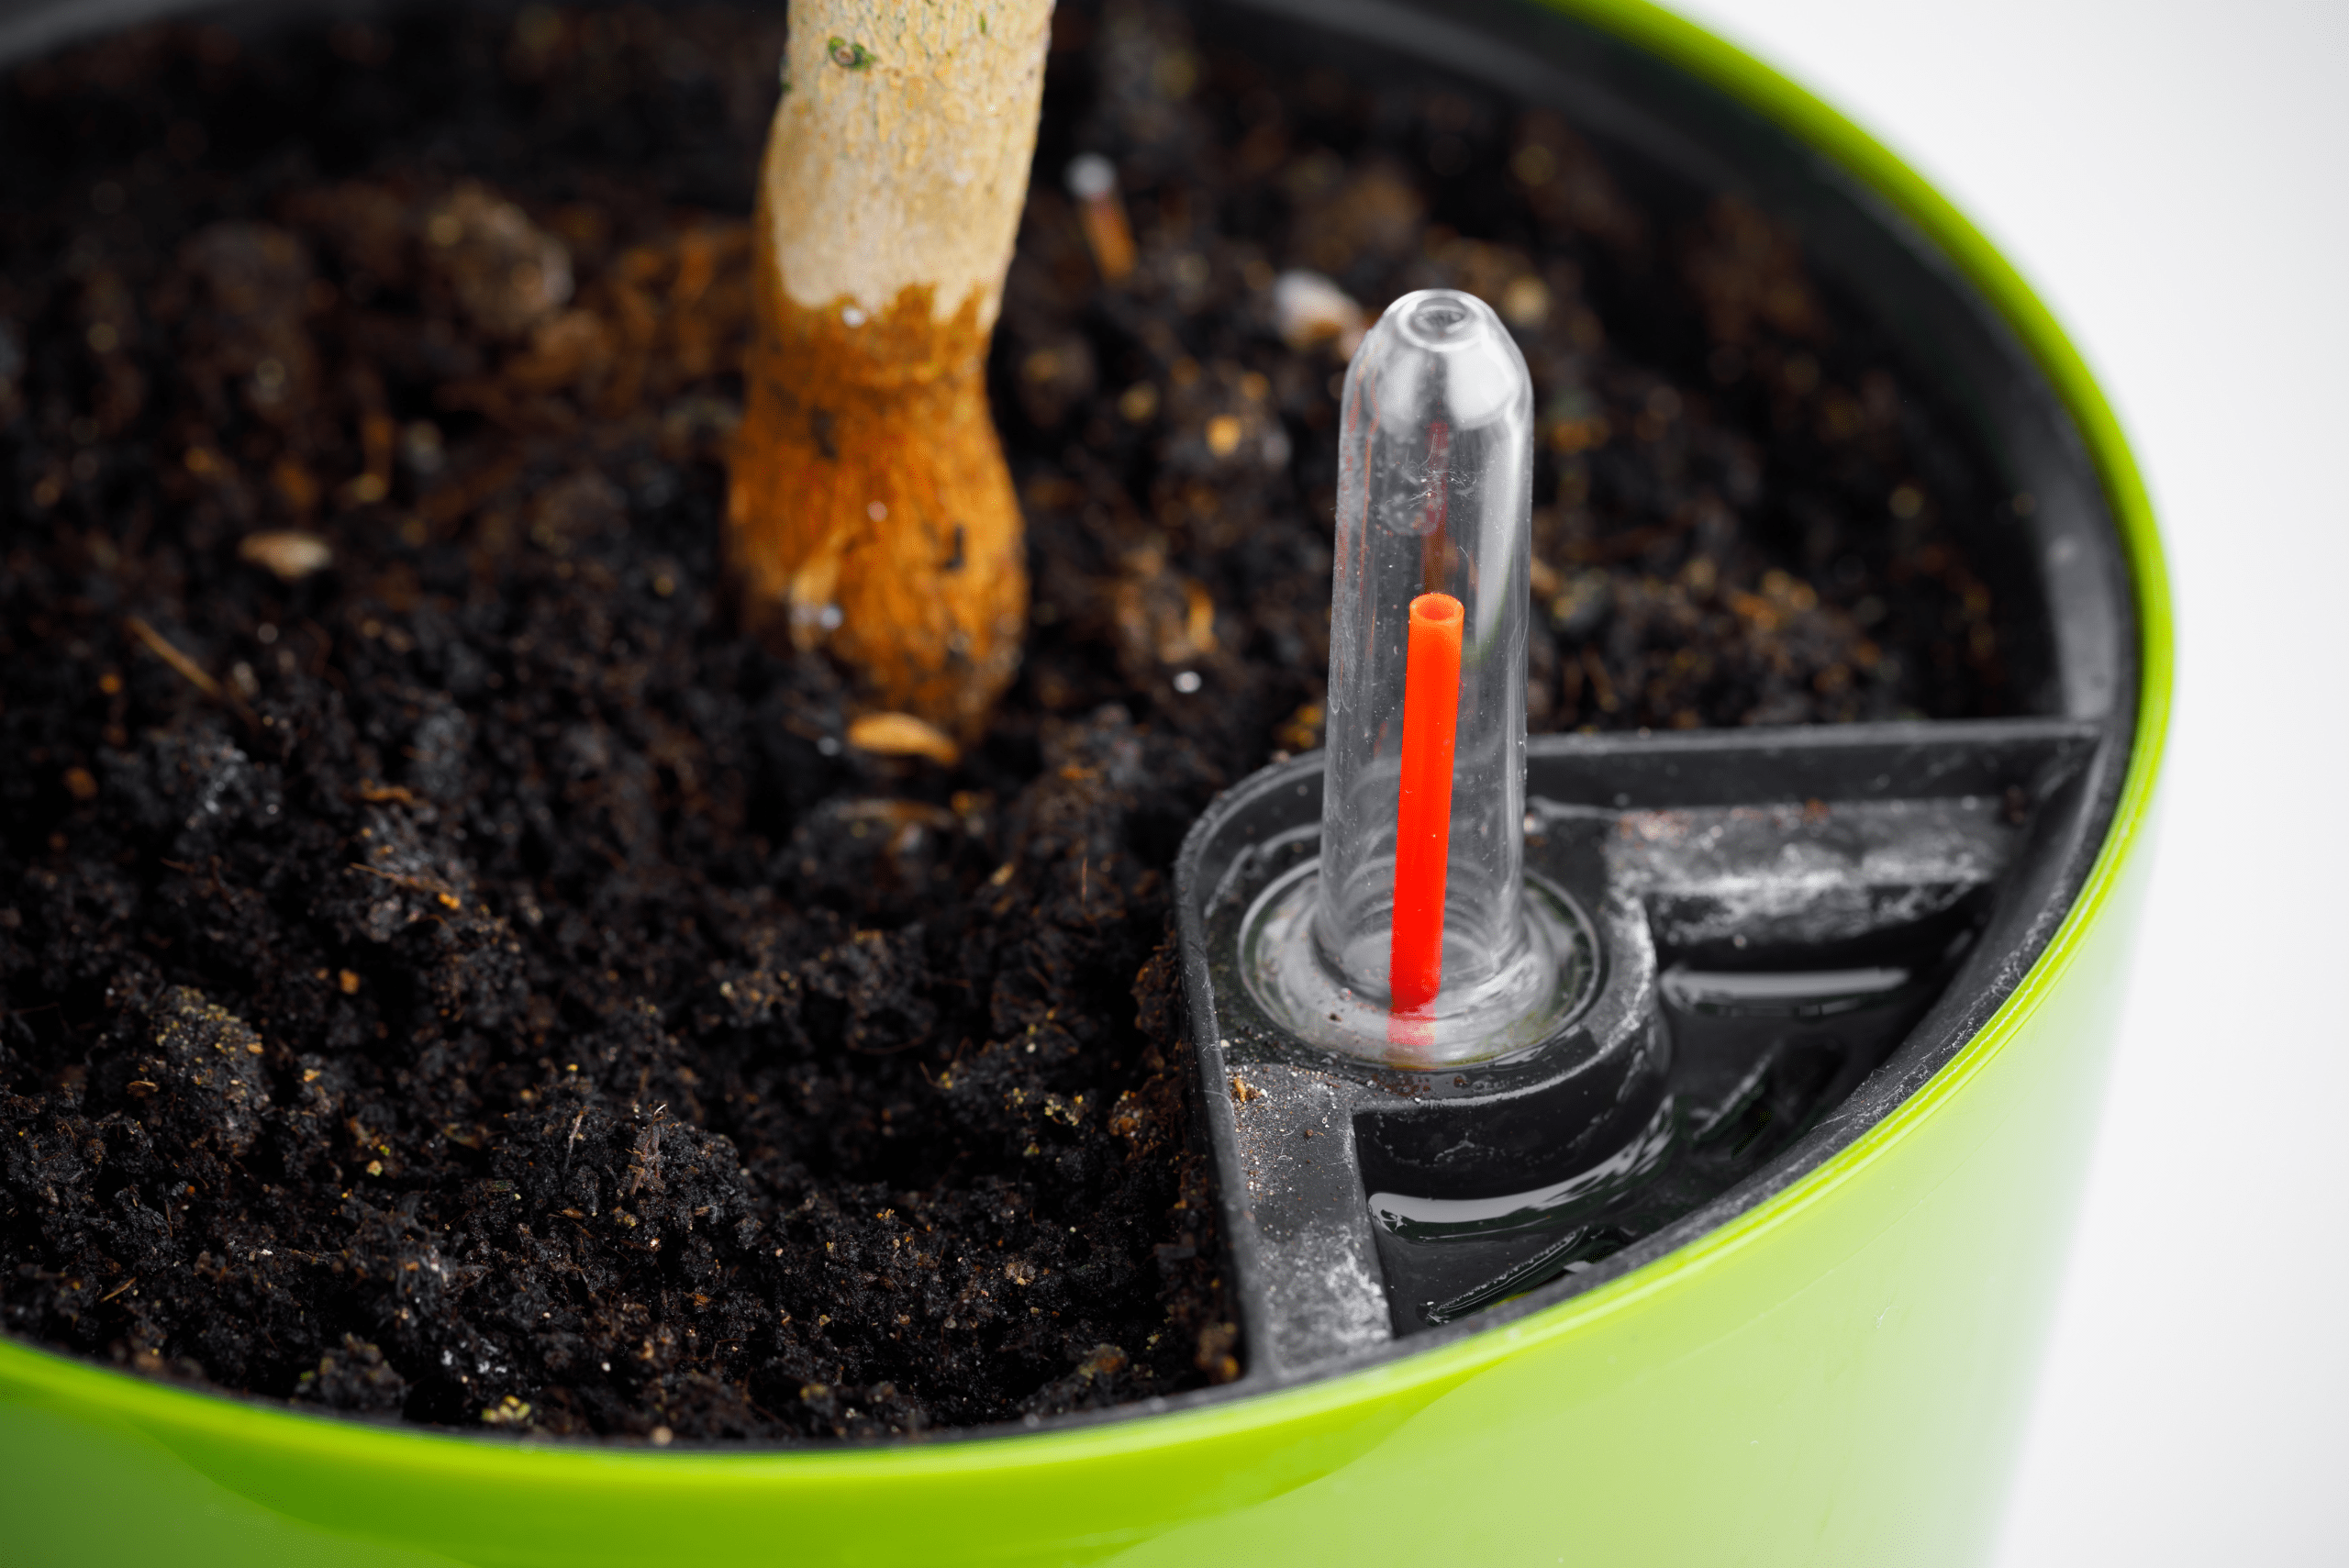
2174 182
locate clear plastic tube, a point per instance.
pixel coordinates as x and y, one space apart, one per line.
1434 556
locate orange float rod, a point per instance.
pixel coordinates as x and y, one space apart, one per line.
1423 806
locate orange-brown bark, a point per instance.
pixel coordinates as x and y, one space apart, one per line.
871 512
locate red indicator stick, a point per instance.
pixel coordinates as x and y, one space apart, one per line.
1423 806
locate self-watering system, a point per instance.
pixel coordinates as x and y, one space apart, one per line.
1475 1036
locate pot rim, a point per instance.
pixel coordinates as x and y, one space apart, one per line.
1206 1417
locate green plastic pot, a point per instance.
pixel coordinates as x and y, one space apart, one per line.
1832 1369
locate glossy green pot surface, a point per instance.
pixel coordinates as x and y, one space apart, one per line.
1836 1376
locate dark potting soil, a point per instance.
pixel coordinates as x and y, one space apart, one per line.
446 973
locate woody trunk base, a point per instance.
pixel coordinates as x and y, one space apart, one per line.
871 514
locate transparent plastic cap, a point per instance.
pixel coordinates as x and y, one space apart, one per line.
1421 944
